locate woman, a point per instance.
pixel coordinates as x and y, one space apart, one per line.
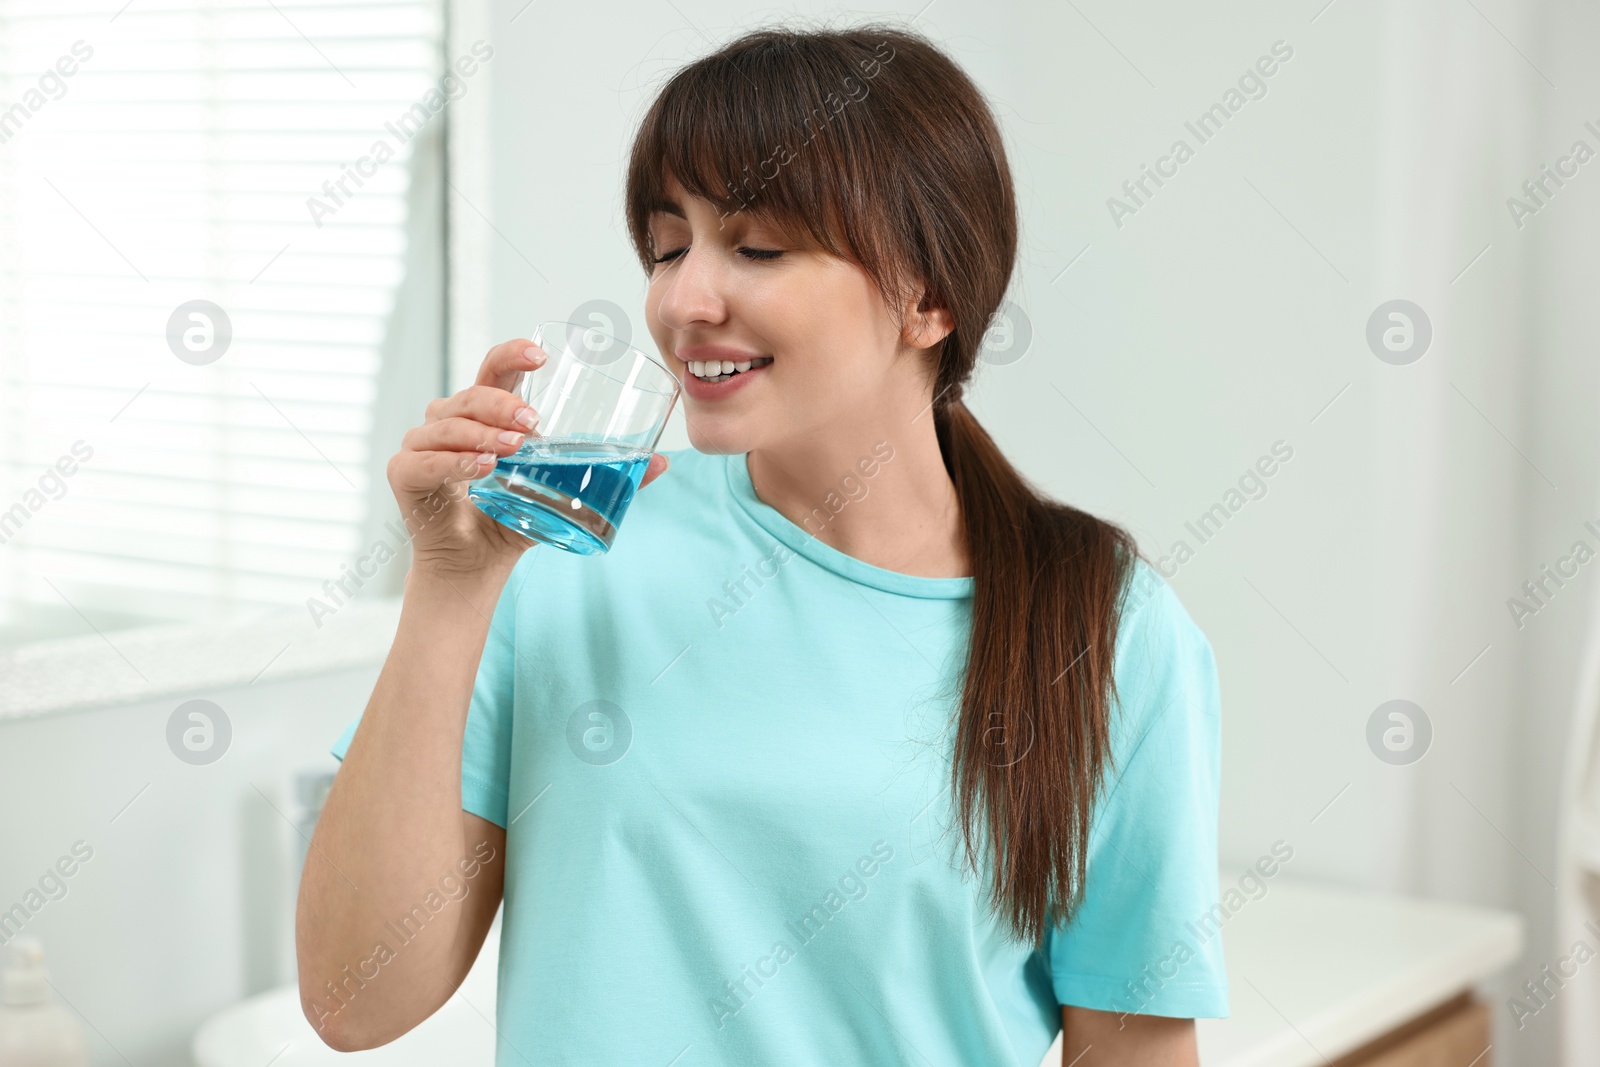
854 749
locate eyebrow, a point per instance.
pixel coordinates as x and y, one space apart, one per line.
668 207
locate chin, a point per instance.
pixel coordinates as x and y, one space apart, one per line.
718 444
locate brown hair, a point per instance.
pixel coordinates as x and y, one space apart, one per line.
877 146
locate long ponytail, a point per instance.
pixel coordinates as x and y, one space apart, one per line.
1033 739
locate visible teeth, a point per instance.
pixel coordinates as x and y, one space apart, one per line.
716 370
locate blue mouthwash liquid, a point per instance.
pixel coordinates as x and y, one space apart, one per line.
565 492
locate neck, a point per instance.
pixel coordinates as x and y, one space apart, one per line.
876 490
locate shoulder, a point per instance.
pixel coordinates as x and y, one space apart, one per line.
1153 620
1163 664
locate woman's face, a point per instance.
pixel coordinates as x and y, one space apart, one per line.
739 283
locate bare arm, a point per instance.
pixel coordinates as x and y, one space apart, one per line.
1112 1039
392 831
400 884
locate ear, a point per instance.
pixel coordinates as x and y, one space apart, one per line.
925 327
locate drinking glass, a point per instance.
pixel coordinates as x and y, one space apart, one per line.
602 404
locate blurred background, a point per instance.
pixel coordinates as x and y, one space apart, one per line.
1333 360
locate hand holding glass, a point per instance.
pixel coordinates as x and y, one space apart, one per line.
602 405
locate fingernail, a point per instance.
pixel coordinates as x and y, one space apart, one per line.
525 417
510 437
485 457
532 354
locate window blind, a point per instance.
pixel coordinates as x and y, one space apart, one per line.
154 155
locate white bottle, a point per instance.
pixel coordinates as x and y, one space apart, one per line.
35 1031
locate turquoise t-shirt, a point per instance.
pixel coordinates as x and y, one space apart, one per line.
721 755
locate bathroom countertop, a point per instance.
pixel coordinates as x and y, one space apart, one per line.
1316 971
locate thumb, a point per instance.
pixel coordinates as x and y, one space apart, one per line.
658 466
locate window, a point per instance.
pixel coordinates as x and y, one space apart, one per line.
220 269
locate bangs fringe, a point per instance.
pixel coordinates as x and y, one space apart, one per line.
768 128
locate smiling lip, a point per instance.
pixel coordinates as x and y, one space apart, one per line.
699 389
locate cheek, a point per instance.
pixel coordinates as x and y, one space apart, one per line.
845 304
826 376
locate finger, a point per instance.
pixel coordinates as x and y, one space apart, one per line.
422 472
506 362
463 435
658 466
487 404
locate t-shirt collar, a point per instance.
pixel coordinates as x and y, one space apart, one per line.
847 566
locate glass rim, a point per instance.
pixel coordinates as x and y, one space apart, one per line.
675 388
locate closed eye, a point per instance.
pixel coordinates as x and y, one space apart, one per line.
760 254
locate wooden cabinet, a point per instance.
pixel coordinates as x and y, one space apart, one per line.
1455 1034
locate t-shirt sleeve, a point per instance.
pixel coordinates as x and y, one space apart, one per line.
486 745
1144 939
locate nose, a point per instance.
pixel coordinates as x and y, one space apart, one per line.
692 289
